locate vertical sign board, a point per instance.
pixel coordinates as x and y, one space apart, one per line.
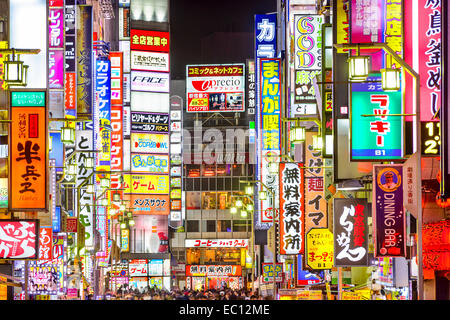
388 213
319 249
367 25
423 51
84 60
292 209
308 58
265 47
445 113
351 232
270 119
378 137
116 77
315 203
70 87
28 152
84 205
45 243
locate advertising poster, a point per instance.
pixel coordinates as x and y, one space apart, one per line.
20 239
150 61
28 151
388 213
149 143
292 209
315 203
351 232
43 279
214 88
376 137
84 60
319 249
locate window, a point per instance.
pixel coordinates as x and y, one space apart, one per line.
193 201
208 225
223 225
240 225
192 226
209 201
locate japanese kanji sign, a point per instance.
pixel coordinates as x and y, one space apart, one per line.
150 163
216 243
28 151
319 249
45 243
378 137
213 88
388 213
213 270
315 203
267 272
149 40
150 61
350 232
292 209
19 239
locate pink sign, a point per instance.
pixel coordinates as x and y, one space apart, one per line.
368 26
56 69
423 53
55 28
19 239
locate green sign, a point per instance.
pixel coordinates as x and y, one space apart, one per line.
378 137
28 99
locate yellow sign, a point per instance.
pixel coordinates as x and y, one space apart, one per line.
319 249
342 28
309 295
146 184
357 295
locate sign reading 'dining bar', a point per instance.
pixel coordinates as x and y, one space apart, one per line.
150 81
149 122
150 61
28 151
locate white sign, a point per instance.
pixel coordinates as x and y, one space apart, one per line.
216 243
150 102
150 61
150 81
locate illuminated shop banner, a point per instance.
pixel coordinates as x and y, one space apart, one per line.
150 81
84 141
69 54
102 228
145 184
213 270
341 7
103 90
216 243
367 26
319 249
28 151
380 137
116 138
20 239
214 88
70 91
145 40
292 208
149 122
149 163
269 132
387 211
315 203
430 138
137 268
84 60
148 204
150 61
56 28
149 143
45 243
423 51
43 278
56 220
116 59
124 23
308 55
125 240
3 192
267 272
142 101
351 230
55 69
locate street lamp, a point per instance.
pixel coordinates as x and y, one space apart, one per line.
249 190
72 169
262 195
317 142
89 163
104 183
390 79
243 214
67 135
104 202
297 134
358 68
273 168
233 210
239 203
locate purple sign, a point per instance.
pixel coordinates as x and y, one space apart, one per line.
55 28
55 69
368 25
388 213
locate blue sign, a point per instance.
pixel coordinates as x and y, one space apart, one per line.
56 220
57 151
103 90
265 35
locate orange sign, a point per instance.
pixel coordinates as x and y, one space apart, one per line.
28 151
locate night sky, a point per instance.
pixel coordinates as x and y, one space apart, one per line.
192 20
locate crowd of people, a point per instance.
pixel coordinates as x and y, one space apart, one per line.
124 293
